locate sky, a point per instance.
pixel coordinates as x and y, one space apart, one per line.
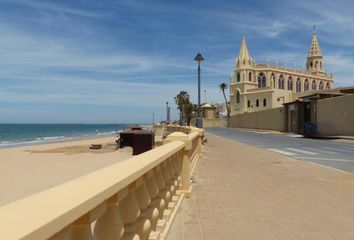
89 61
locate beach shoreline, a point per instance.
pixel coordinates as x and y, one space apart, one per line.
64 137
33 168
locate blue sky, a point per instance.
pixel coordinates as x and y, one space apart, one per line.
118 61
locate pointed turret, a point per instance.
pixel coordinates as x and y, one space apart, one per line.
244 59
243 50
314 50
314 62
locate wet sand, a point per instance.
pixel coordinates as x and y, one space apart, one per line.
30 169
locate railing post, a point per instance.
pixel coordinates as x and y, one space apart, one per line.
144 201
64 234
109 225
129 211
81 228
186 187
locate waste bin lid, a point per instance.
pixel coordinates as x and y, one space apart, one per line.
136 127
139 132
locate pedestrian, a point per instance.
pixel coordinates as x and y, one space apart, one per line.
117 139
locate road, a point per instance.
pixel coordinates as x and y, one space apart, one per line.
331 153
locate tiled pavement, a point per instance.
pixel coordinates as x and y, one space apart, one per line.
241 192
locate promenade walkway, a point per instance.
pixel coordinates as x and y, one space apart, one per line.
242 192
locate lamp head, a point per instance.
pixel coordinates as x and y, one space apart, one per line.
199 58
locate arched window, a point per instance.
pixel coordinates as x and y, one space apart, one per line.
290 83
237 96
261 80
306 85
314 85
238 77
250 76
321 86
257 103
281 81
248 103
321 65
298 85
316 64
328 85
311 64
264 102
272 79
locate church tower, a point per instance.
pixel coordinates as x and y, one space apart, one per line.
314 62
244 79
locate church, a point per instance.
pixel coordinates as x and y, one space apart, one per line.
257 87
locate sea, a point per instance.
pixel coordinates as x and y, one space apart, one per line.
12 135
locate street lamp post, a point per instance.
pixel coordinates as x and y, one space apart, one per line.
199 121
167 113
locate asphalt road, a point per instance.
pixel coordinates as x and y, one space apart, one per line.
335 154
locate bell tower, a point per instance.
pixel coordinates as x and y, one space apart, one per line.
314 63
244 80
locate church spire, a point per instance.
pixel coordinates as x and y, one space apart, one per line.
244 59
314 50
314 62
243 50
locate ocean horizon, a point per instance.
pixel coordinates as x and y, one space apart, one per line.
23 134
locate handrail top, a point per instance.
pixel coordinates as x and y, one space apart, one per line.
41 215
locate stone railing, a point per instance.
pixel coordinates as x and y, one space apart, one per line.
163 130
134 199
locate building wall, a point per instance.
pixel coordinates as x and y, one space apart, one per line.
335 116
272 119
248 88
209 113
218 122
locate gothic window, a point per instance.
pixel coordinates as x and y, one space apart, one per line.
321 65
264 102
314 85
237 96
298 85
321 86
290 83
281 81
257 103
328 86
248 103
238 77
250 76
311 64
272 79
306 85
316 64
261 80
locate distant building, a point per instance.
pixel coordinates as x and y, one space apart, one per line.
256 87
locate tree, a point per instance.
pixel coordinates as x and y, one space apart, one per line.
181 100
186 108
223 87
189 112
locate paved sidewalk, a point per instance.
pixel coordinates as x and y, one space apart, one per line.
241 192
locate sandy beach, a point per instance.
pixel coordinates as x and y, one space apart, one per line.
30 169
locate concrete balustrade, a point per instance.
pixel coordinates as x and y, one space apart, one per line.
162 130
135 199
